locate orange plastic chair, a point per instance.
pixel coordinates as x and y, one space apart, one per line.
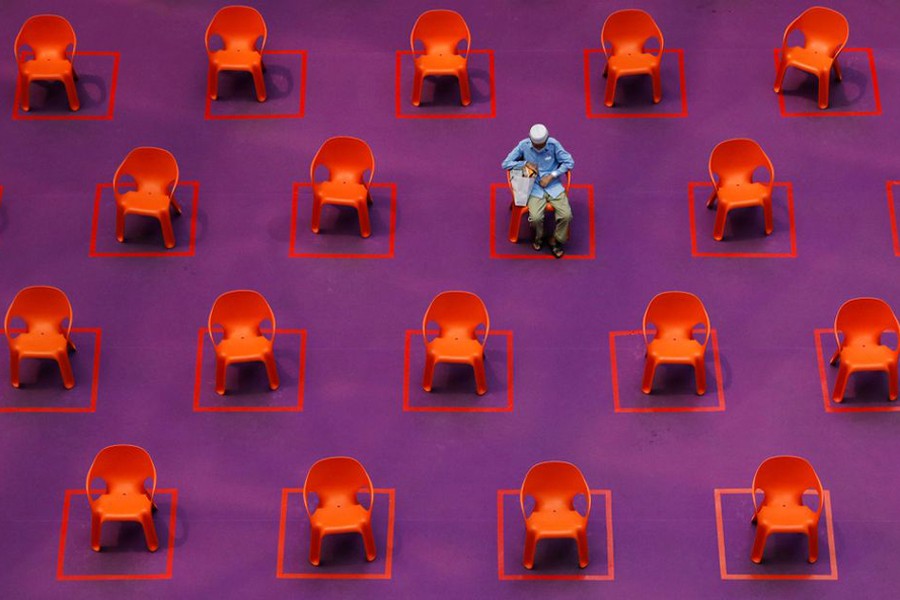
458 316
825 32
554 485
517 212
733 162
440 32
155 175
238 315
783 480
347 160
125 471
675 314
47 314
45 51
863 321
627 32
243 34
336 481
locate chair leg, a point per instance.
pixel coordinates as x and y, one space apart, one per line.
892 381
271 370
712 198
840 383
429 372
221 368
649 371
465 95
65 369
71 93
365 226
835 357
719 225
759 544
165 222
418 78
120 224
480 376
779 75
259 83
316 214
369 542
657 85
767 216
610 95
14 369
700 376
530 547
515 223
315 546
24 98
96 528
583 555
824 81
813 535
837 70
150 531
212 83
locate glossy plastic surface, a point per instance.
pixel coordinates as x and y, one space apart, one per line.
863 321
675 315
45 51
347 160
335 482
783 480
624 39
554 485
731 167
238 316
825 32
125 471
458 316
242 32
47 315
155 176
440 32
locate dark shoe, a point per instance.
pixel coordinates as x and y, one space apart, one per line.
537 244
557 250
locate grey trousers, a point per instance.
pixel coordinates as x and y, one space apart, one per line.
561 209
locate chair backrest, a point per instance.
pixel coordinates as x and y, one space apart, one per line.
864 320
629 30
554 484
675 314
336 481
240 312
239 28
123 468
151 168
824 29
42 308
457 313
440 32
734 161
784 479
346 158
47 35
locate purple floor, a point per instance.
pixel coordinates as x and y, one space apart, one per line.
223 473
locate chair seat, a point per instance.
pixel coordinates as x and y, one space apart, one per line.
810 60
744 194
236 60
867 356
455 349
122 505
786 518
343 519
242 348
149 202
633 63
46 67
678 350
550 523
436 64
341 192
38 343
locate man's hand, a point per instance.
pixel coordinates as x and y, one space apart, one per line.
546 180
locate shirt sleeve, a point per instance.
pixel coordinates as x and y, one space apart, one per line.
515 159
565 160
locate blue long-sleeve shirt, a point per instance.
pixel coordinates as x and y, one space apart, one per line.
552 159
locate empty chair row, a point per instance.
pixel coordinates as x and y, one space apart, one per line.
236 39
555 500
675 326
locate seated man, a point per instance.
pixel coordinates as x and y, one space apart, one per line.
544 156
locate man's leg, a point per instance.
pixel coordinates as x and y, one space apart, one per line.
563 213
536 206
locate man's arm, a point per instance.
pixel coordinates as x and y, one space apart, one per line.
515 159
565 160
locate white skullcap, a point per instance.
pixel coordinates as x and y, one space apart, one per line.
538 134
